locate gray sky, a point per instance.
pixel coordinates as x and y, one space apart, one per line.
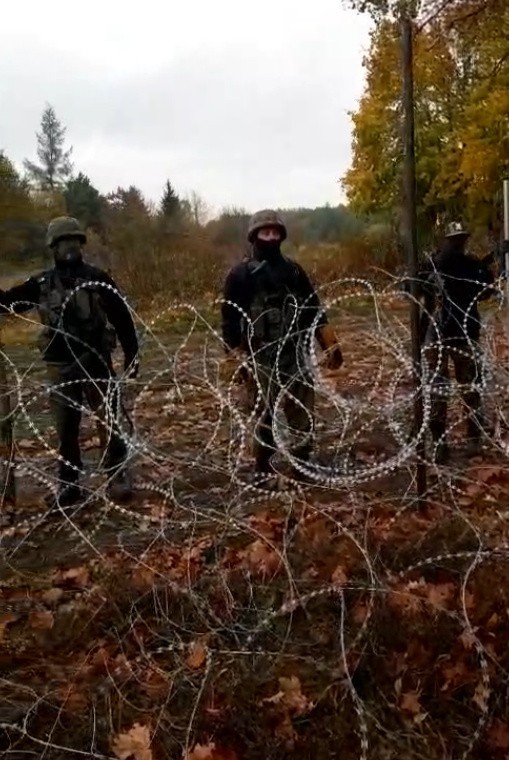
244 101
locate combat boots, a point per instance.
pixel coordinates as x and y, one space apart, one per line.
474 433
69 491
438 436
120 487
442 452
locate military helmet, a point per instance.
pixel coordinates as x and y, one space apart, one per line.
265 218
64 226
456 229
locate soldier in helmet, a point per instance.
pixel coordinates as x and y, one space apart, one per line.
454 287
268 311
82 313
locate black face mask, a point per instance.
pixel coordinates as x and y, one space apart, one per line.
267 250
68 253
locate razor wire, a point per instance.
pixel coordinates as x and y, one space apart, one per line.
188 434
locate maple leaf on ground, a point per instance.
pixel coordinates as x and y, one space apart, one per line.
410 702
260 558
290 696
135 744
404 601
197 655
339 577
439 594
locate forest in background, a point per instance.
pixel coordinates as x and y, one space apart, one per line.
175 248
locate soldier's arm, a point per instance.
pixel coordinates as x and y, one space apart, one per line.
487 279
20 298
324 332
234 295
120 317
312 301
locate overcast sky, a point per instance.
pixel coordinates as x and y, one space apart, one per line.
244 101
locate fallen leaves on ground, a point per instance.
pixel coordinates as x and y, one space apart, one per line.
133 745
290 696
42 620
410 702
6 619
210 751
498 734
261 559
197 655
79 576
482 696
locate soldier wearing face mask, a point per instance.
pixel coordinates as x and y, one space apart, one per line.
82 313
270 315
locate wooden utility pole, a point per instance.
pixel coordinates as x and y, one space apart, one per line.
409 233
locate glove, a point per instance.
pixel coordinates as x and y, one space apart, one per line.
131 367
333 357
329 343
230 367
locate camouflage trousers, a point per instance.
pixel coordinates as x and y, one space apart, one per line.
292 394
90 381
466 360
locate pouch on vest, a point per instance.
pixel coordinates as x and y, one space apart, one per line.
76 314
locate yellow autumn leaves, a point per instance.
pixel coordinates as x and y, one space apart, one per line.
461 71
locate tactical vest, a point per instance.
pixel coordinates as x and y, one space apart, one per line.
273 311
73 315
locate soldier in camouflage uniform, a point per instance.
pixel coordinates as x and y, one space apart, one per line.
269 309
451 289
82 312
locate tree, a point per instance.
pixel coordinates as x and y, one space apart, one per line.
130 201
24 213
461 117
170 202
230 228
425 10
55 164
84 201
15 207
199 210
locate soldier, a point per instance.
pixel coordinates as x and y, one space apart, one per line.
82 312
281 306
451 294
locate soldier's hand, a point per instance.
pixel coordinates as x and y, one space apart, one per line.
230 367
333 357
131 367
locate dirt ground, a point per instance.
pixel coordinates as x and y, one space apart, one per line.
216 617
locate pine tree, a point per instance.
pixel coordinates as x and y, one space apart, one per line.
83 201
54 162
170 202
